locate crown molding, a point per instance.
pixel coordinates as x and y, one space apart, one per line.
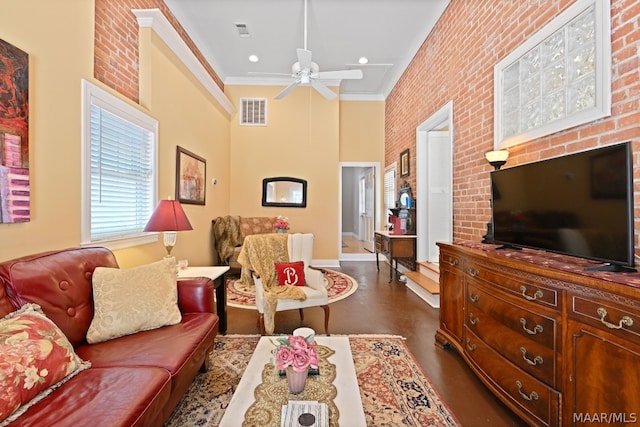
155 19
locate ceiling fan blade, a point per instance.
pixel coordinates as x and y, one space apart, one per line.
304 58
338 75
287 89
324 91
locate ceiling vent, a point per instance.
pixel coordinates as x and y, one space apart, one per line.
242 30
253 112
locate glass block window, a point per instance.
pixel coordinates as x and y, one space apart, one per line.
559 78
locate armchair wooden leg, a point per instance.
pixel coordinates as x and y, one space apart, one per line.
326 319
301 314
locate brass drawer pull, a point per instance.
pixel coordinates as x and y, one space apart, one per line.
472 320
473 272
535 296
453 261
531 396
471 347
536 361
472 297
625 321
537 330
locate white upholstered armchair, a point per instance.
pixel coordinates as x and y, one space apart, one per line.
300 248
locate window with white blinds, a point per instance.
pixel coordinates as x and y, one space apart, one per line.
119 165
389 189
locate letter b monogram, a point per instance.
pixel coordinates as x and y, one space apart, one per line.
291 277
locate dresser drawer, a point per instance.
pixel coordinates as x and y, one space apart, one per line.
526 322
539 404
523 350
382 243
530 289
450 261
617 319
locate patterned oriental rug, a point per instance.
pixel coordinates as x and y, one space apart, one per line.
339 286
393 387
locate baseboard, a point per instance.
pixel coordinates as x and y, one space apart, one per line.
326 263
358 257
350 234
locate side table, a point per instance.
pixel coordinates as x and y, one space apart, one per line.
395 246
217 275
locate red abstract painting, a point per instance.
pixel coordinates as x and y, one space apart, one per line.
14 134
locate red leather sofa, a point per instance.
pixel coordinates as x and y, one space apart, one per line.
134 380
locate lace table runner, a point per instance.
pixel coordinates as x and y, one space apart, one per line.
273 392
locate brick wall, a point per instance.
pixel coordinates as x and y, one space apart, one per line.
116 44
456 63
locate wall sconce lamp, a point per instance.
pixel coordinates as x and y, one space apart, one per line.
168 218
497 158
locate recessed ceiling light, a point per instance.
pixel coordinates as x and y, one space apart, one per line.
363 60
254 58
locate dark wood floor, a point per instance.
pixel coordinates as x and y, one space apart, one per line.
382 308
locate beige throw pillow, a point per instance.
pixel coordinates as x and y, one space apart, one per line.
132 300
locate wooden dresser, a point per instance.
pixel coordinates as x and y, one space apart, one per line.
557 344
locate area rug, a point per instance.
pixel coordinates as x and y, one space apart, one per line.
339 286
393 387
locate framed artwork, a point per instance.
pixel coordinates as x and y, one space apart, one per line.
191 173
404 163
15 187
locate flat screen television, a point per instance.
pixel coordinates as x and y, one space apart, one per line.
579 204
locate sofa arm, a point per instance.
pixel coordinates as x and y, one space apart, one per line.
195 295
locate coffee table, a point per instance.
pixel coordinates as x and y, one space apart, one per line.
347 400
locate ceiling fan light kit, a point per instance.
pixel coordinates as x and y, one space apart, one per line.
307 73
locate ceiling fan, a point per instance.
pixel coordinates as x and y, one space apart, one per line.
307 73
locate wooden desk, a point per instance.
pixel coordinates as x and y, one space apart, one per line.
394 246
217 274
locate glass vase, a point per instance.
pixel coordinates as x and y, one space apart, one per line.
296 380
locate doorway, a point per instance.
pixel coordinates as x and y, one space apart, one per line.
434 182
358 210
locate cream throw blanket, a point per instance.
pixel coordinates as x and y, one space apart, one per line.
259 253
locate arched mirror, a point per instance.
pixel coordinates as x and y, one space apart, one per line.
284 192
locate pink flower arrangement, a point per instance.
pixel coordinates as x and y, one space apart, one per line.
296 352
282 223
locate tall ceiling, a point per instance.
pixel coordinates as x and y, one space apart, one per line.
339 32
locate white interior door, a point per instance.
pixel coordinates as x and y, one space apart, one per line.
439 194
367 208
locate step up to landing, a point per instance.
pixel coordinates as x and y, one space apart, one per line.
429 269
425 287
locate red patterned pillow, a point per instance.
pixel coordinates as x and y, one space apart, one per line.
36 359
291 273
